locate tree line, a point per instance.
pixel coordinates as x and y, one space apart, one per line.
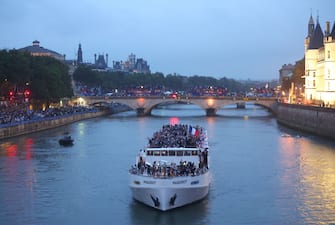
109 80
46 78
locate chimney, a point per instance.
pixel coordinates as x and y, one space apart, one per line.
95 58
327 28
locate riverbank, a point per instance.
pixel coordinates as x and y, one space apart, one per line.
47 123
312 119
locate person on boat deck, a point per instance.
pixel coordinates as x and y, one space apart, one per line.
175 136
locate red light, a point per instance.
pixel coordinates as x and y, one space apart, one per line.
174 120
11 93
11 150
27 93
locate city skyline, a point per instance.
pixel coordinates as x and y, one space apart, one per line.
235 39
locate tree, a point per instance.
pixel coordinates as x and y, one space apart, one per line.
296 78
47 77
298 72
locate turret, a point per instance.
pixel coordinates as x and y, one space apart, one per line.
310 26
310 32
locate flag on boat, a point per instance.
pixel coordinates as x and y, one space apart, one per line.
193 130
196 133
190 129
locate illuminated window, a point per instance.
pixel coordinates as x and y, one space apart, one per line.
313 83
328 54
157 153
164 153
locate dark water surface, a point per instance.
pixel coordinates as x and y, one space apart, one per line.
262 173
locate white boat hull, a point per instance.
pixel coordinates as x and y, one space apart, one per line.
170 193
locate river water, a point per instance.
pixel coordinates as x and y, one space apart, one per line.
262 173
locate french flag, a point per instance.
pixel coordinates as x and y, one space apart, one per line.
196 133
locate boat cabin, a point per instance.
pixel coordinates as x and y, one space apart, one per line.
171 155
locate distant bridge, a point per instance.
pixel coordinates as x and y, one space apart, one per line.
144 105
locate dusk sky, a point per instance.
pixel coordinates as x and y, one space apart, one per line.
240 39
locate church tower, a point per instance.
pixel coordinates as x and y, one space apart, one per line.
79 55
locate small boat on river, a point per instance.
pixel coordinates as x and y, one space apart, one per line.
66 140
173 170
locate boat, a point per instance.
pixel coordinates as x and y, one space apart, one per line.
66 140
173 169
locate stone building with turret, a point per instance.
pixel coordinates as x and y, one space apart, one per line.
132 65
100 62
320 63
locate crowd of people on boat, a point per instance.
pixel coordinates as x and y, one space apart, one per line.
164 170
177 135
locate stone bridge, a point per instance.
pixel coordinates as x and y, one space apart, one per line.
144 105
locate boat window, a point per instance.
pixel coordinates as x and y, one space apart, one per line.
157 153
172 153
149 152
187 152
164 153
194 152
179 153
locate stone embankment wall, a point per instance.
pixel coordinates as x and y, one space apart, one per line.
29 127
317 120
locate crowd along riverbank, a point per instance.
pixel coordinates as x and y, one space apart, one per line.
30 126
313 119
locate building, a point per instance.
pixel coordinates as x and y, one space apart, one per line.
132 65
37 50
286 71
100 63
320 64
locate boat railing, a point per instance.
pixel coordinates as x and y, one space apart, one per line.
166 172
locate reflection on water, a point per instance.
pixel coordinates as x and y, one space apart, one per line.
309 176
262 173
317 178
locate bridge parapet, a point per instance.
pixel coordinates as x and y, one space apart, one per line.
144 104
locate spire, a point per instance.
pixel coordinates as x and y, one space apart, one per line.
80 55
310 26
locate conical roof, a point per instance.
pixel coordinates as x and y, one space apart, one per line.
333 32
311 21
316 38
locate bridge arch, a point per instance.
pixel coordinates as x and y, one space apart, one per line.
144 105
